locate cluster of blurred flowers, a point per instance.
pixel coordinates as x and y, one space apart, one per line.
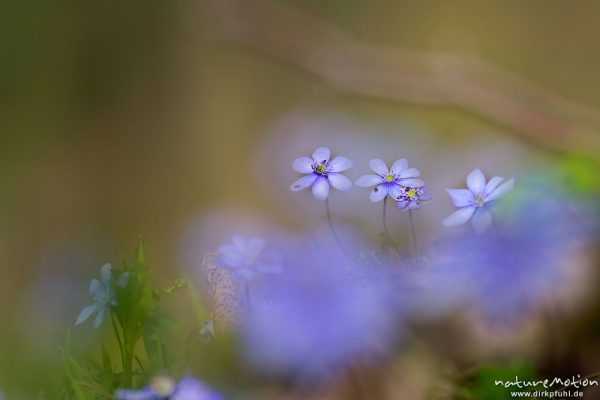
326 309
312 310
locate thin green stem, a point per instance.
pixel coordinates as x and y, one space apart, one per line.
118 336
384 216
395 251
127 365
414 235
332 227
139 362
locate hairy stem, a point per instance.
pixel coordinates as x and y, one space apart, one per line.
414 236
332 227
388 236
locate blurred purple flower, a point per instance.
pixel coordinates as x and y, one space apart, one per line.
317 316
389 181
506 274
321 173
103 296
412 198
163 388
248 256
474 203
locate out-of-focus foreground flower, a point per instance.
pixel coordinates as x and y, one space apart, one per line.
103 296
474 203
249 256
320 314
321 173
509 272
389 181
163 388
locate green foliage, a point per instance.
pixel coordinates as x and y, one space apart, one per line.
480 384
580 173
137 324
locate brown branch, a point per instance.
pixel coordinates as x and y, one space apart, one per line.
470 83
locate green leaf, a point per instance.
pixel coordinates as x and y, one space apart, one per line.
106 364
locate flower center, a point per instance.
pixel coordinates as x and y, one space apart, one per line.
389 178
320 169
410 194
479 200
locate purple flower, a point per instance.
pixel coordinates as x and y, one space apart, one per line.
389 181
248 256
475 201
163 388
508 273
317 316
321 173
412 198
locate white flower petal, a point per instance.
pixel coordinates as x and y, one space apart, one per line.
476 182
461 197
106 275
378 193
95 288
100 316
85 313
339 181
303 182
411 182
399 166
369 180
492 184
321 155
256 245
240 243
482 219
379 167
395 191
303 165
123 279
500 190
409 173
320 188
402 204
339 164
459 217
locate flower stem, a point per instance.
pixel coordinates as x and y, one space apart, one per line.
385 228
395 251
114 324
332 227
414 236
127 366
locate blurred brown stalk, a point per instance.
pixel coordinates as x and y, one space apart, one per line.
470 83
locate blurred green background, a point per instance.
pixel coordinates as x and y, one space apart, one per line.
121 118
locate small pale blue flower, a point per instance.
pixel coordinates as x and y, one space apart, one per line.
474 203
103 296
248 256
389 181
321 173
412 198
